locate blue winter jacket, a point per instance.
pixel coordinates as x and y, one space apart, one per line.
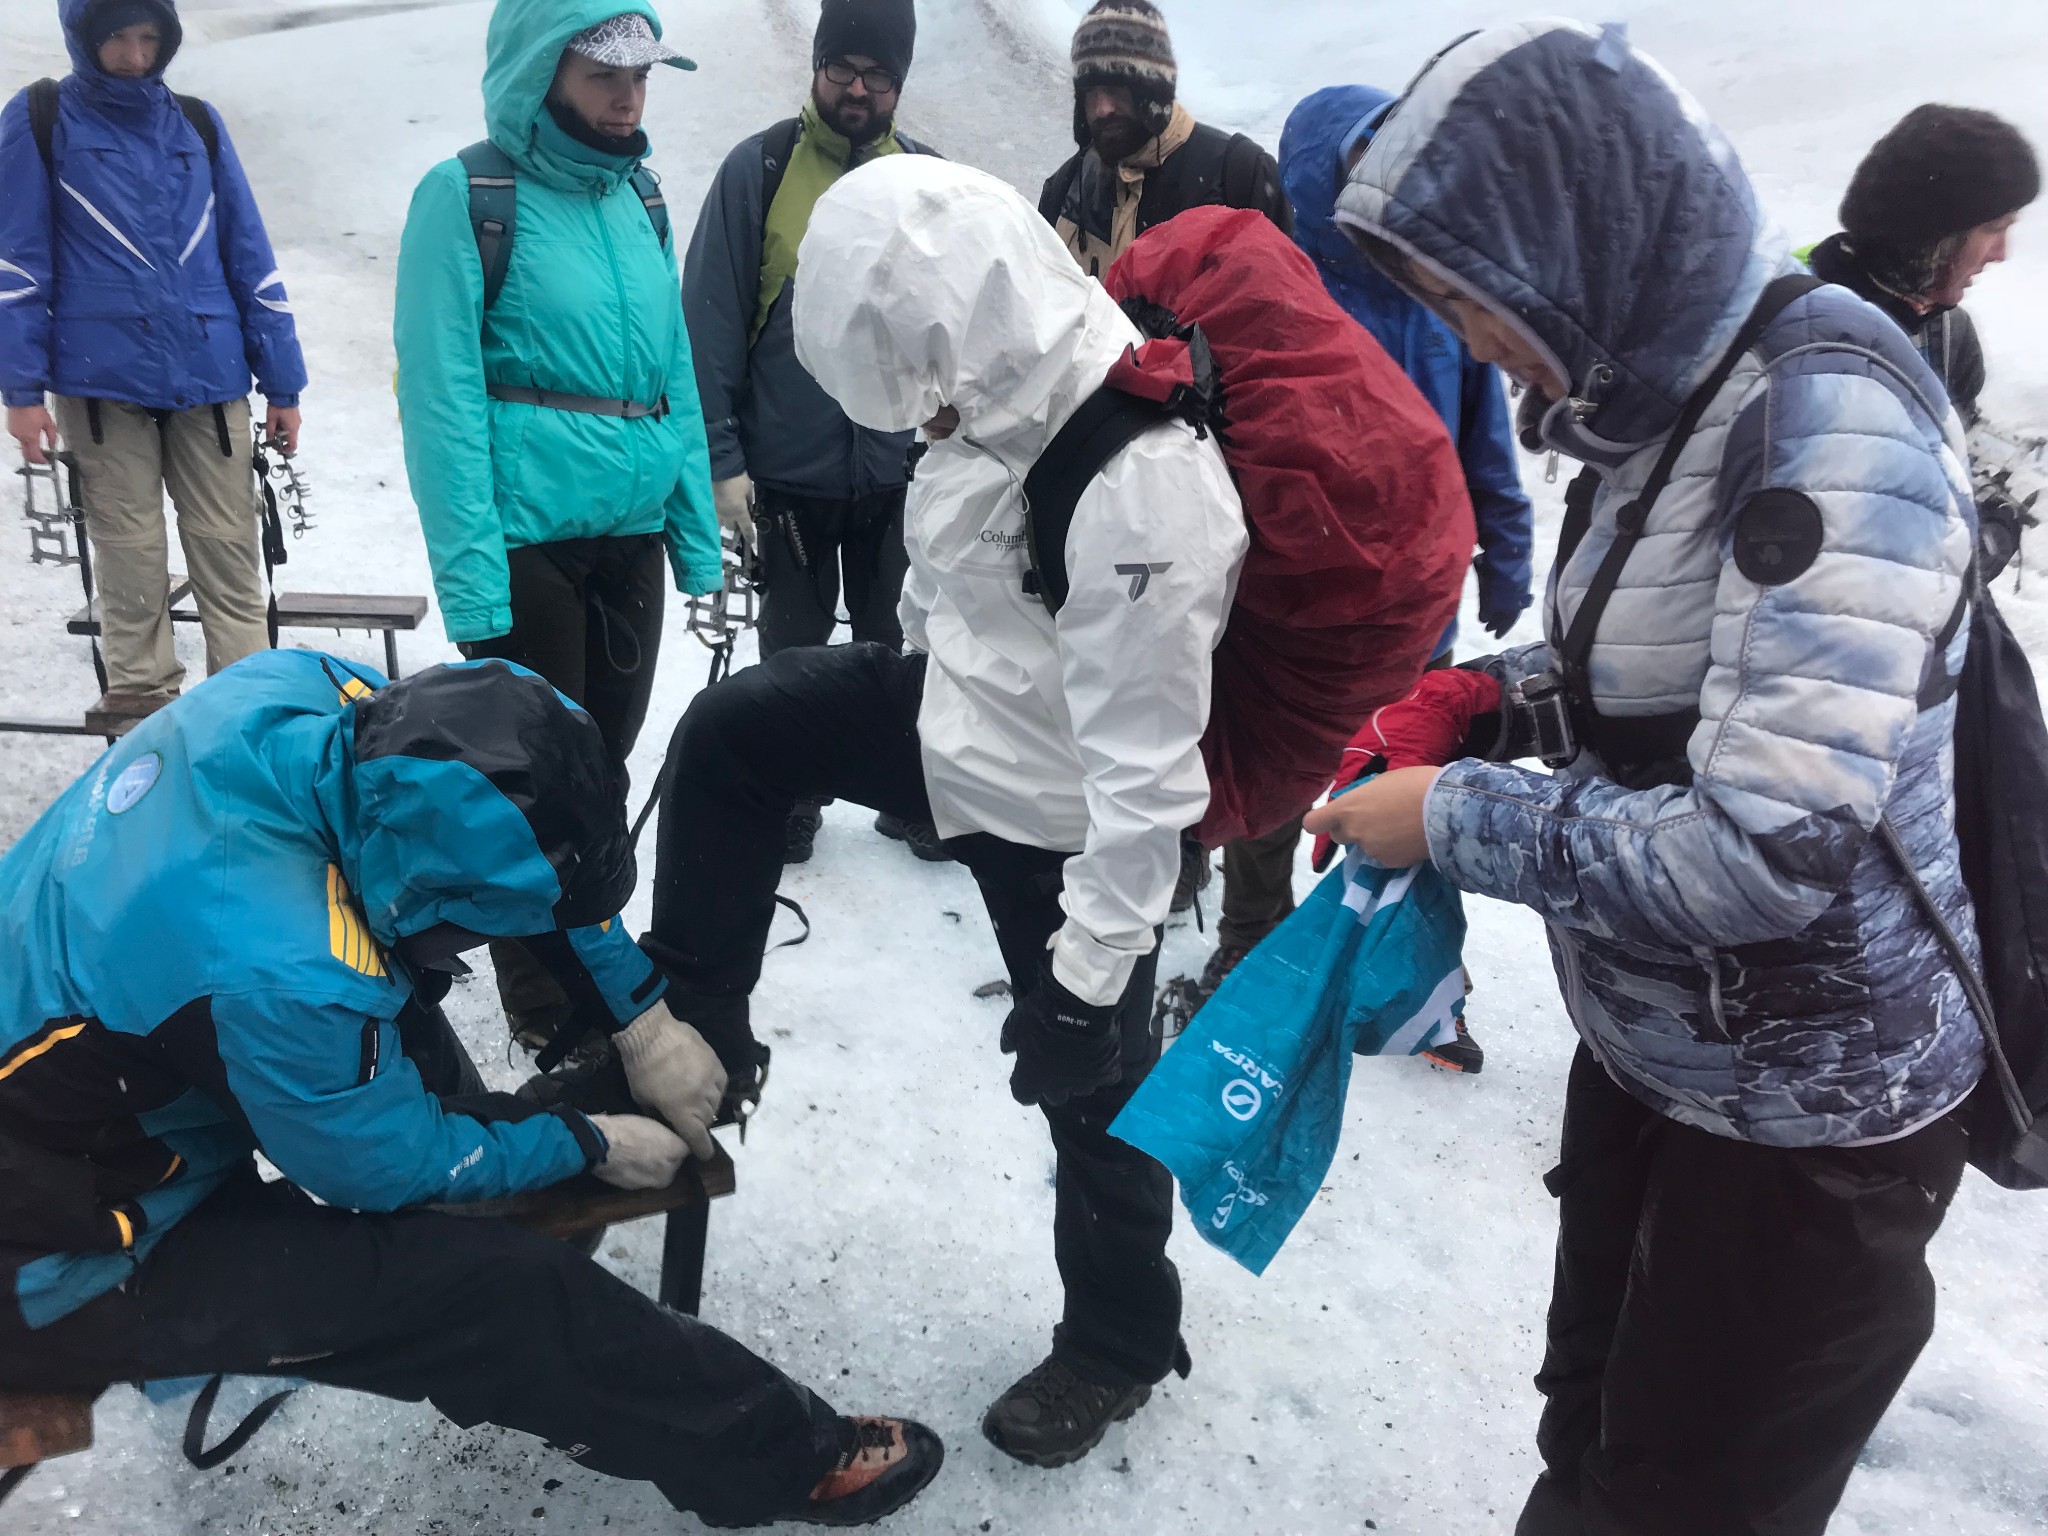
1466 393
196 958
1733 943
135 270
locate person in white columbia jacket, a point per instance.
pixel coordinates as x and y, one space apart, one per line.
1058 757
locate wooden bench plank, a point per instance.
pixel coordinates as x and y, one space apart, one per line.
586 1202
301 610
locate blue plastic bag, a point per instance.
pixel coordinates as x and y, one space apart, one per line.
1246 1107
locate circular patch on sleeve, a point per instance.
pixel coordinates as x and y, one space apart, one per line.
1777 536
135 781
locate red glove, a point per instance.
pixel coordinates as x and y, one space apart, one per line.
1425 730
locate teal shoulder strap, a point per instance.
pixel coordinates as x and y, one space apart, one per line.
493 210
648 186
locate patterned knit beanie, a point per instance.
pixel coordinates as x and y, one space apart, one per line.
1124 42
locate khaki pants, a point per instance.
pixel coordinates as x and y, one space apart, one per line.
122 479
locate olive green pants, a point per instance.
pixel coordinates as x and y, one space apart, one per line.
123 470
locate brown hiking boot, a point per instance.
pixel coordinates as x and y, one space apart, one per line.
116 713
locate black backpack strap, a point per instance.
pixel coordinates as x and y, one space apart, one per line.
1053 199
201 119
1629 520
777 145
1107 422
1239 182
493 210
42 119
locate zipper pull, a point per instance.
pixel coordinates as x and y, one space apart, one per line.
1550 468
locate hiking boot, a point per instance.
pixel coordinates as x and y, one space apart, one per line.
598 1087
883 1464
1053 1416
1460 1055
920 837
1222 961
800 837
116 713
1195 875
1182 998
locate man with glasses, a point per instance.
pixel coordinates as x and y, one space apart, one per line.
816 496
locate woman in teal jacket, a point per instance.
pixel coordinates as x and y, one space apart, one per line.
553 437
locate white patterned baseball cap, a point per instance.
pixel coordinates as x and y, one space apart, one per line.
626 41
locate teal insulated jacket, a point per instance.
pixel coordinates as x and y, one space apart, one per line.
591 305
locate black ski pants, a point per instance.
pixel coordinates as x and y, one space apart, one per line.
490 1323
586 615
806 543
1728 1321
821 723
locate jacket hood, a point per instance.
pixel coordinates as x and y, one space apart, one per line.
927 284
1312 169
521 51
75 16
477 795
1564 179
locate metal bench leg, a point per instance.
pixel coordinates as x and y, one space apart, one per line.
682 1257
391 654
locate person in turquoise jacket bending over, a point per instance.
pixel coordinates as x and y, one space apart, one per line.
231 935
553 436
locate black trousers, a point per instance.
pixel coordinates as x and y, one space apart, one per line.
1728 1321
821 723
586 615
490 1323
806 543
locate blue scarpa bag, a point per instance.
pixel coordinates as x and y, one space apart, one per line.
1245 1109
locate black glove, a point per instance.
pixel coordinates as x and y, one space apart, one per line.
2001 519
1064 1047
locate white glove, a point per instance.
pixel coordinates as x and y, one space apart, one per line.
674 1073
734 499
640 1153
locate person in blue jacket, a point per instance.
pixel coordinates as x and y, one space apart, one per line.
230 935
138 294
1323 137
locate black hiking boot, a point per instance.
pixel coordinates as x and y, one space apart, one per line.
599 1087
1053 1416
800 837
920 837
1460 1055
883 1464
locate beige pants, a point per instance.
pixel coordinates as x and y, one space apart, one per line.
122 479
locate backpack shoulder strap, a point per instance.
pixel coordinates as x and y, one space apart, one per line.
1054 196
201 119
1629 520
647 186
42 119
1107 422
1239 182
777 145
493 210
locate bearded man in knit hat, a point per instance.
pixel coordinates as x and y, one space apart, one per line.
816 498
1930 207
1143 157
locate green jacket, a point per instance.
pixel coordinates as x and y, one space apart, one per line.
591 306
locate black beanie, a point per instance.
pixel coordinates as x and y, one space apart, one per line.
882 30
1940 172
1125 43
106 17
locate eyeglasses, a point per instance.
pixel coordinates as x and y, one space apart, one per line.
878 81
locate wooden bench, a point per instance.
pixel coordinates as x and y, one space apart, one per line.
38 1426
387 613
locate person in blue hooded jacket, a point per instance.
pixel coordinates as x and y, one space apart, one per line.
138 294
1324 136
1755 626
231 935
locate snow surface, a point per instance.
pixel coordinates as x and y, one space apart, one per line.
890 1243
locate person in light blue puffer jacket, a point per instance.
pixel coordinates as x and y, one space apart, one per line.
1758 1141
